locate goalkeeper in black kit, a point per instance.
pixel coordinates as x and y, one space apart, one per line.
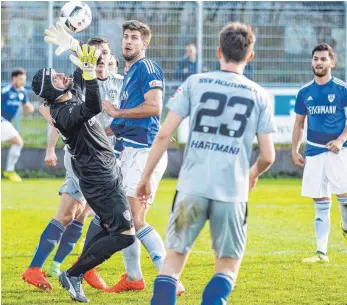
93 161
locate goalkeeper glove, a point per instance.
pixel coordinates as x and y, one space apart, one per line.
86 61
61 38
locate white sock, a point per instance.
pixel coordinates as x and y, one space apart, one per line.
13 156
343 211
132 262
322 224
153 243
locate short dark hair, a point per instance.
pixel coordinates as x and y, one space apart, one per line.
18 71
235 41
324 47
134 25
98 40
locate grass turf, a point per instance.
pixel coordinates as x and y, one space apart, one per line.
280 234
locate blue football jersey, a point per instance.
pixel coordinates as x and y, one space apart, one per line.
326 110
11 100
142 76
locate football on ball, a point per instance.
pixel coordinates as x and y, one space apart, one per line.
76 16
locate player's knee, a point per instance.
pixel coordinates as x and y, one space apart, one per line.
139 223
119 241
83 214
322 206
139 220
64 219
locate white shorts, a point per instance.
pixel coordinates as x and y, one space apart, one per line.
132 163
324 174
8 131
71 184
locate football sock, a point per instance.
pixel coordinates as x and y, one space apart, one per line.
132 261
49 238
343 210
164 291
68 241
101 248
153 243
217 290
13 156
93 230
322 225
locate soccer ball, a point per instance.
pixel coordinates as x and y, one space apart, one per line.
76 16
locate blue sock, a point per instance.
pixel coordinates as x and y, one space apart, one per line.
49 238
164 290
68 241
217 290
94 229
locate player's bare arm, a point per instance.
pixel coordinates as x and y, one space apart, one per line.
336 145
28 108
150 107
160 145
52 138
265 159
298 134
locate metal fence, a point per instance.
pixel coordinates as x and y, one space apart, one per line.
285 31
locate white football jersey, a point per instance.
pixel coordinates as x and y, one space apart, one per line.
226 111
110 90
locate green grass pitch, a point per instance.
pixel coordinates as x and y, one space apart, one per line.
280 234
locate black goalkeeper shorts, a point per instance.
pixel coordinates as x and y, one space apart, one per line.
109 202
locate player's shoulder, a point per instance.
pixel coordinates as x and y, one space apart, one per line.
339 83
306 87
149 66
116 76
6 88
23 90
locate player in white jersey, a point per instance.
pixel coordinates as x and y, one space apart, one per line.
226 111
324 102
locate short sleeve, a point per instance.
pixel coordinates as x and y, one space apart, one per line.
180 101
26 97
266 123
344 101
300 107
151 76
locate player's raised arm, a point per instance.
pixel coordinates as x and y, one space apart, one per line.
58 36
86 61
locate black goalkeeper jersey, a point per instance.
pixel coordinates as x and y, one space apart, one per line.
93 159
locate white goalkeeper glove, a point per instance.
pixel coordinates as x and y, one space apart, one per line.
86 61
61 38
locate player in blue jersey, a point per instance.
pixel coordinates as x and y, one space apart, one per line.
324 102
12 98
137 123
226 112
